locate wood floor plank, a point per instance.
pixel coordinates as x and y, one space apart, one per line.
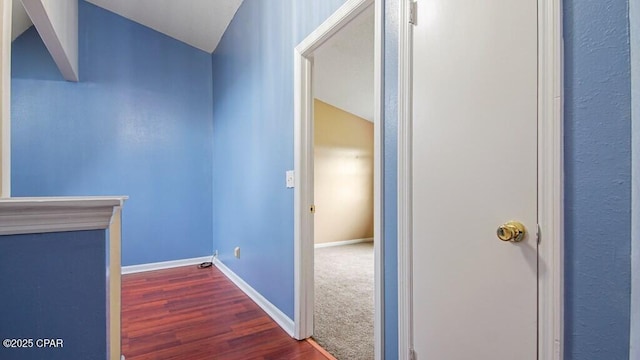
188 313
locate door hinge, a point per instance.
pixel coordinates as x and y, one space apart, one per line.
312 209
413 12
538 234
412 354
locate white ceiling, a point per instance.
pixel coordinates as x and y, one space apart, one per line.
343 67
199 23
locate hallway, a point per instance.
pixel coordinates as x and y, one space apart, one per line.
189 313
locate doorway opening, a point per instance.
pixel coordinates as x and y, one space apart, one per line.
342 80
337 192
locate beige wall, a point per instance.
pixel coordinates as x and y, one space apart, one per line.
343 175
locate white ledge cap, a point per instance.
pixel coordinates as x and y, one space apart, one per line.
33 215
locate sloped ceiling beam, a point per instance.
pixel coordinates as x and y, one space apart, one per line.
57 24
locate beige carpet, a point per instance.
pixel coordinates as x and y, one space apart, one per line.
344 290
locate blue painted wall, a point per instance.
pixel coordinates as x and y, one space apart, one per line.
634 22
54 286
598 179
390 179
139 123
253 140
139 117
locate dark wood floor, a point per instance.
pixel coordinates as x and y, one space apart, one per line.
189 313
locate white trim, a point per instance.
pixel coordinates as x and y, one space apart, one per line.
5 100
550 182
341 243
347 12
303 162
80 201
132 269
405 321
114 286
43 215
303 199
378 181
278 316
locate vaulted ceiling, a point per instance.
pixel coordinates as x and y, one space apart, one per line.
199 23
343 66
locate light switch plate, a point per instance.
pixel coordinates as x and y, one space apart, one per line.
290 179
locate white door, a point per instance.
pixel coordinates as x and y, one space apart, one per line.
474 169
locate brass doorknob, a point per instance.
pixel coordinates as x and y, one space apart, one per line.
511 231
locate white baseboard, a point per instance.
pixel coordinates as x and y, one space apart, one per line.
278 316
163 265
340 243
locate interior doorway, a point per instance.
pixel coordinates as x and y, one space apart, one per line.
341 101
343 127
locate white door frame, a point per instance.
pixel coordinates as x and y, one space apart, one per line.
5 99
550 182
303 160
